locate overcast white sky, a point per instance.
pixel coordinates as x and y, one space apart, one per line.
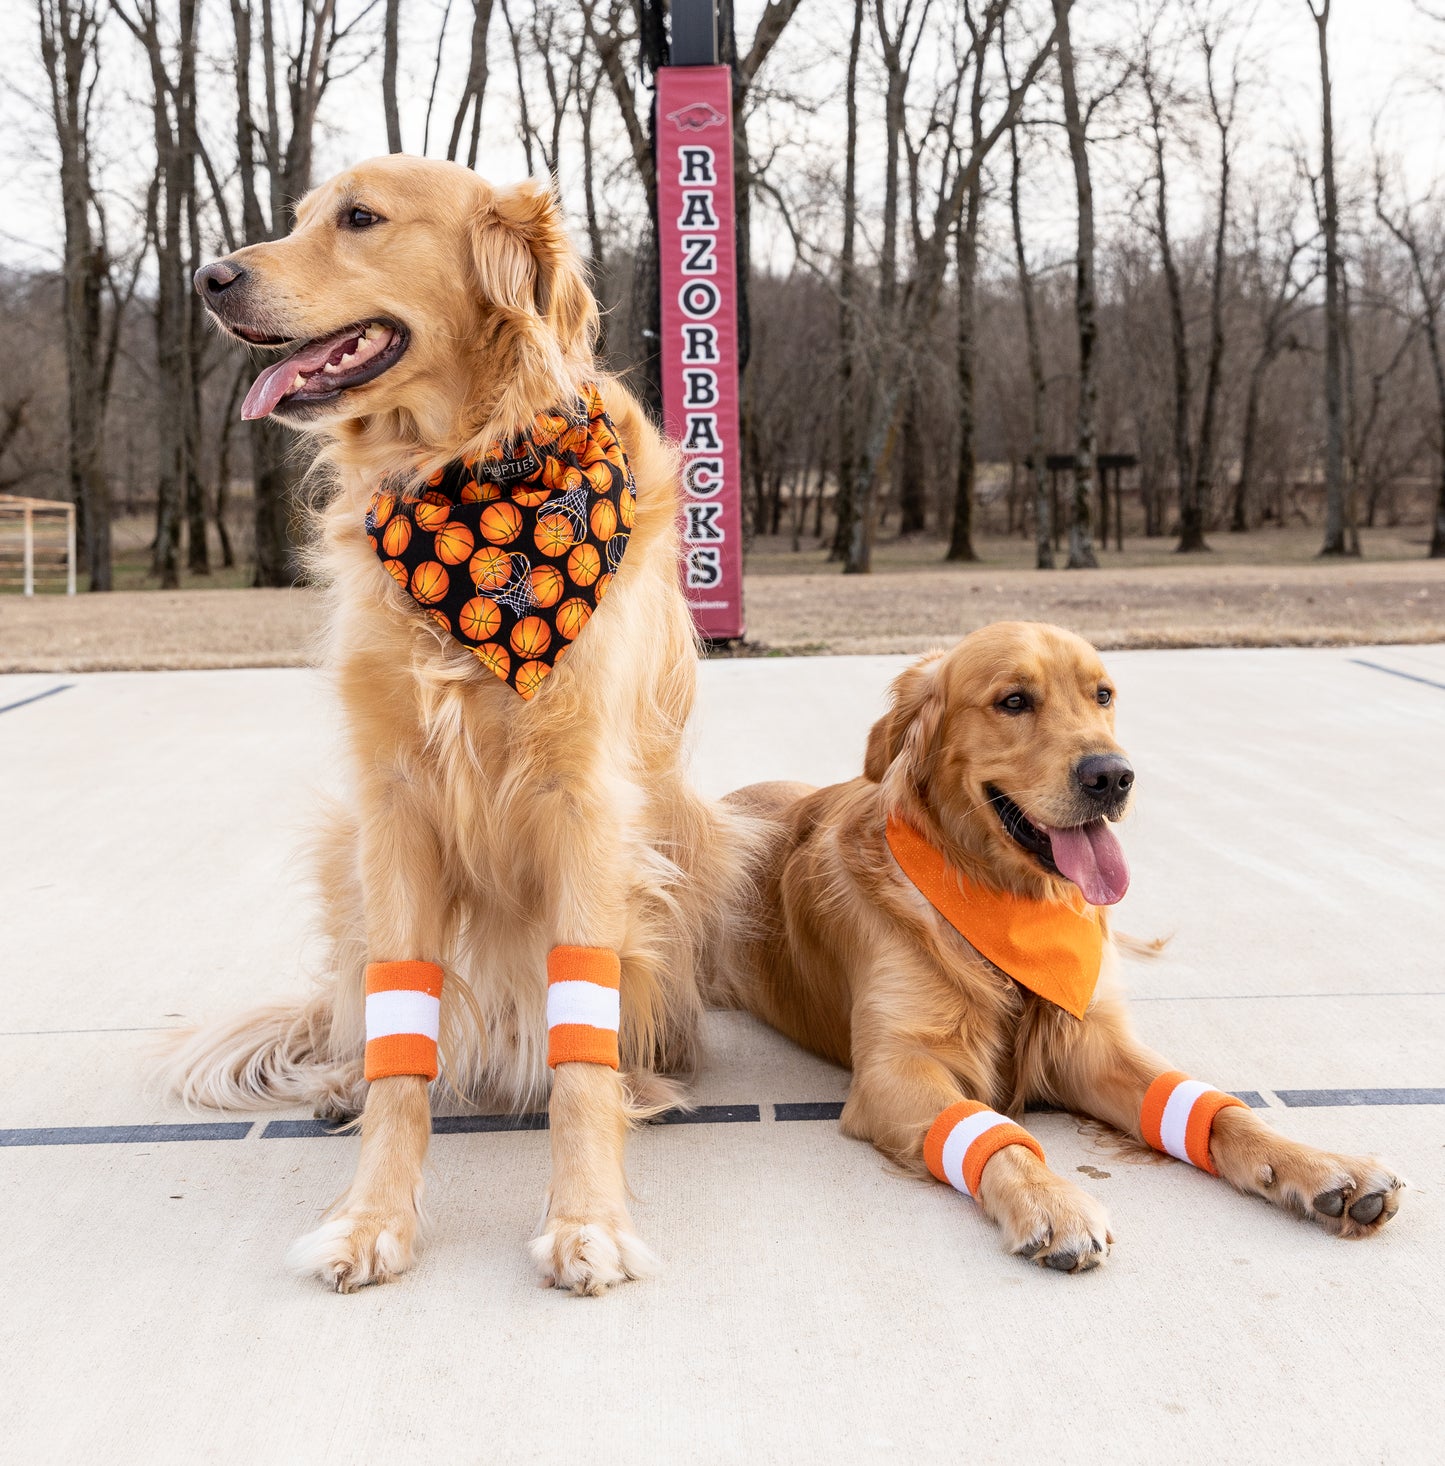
1381 55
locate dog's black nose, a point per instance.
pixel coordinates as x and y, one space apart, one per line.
1106 777
213 279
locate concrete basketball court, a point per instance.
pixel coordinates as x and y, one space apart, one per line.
1290 834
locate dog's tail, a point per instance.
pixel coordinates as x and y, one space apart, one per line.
279 1054
1140 946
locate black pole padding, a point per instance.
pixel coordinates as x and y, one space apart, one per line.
694 33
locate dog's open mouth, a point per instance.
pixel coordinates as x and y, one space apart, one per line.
321 370
1089 855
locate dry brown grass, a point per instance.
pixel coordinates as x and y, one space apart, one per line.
1263 589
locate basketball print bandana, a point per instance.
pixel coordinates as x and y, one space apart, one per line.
511 551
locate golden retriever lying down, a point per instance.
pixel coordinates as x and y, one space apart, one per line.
505 804
992 782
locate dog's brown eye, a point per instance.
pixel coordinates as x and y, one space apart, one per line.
1106 696
1015 702
359 218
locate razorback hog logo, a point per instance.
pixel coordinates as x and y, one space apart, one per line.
696 116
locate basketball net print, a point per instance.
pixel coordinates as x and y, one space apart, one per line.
510 552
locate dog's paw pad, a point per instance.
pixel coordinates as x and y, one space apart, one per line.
1358 1200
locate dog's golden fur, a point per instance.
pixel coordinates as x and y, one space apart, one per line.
854 964
480 829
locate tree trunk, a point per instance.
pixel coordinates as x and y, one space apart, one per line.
845 498
1239 519
859 559
1038 382
1178 337
67 42
1194 508
475 88
1081 540
960 545
1337 531
912 469
390 38
198 558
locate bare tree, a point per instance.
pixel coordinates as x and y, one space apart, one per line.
1341 537
1161 103
848 306
69 34
391 43
475 87
907 316
179 491
1038 385
982 30
1223 102
274 154
1081 539
1277 286
1421 240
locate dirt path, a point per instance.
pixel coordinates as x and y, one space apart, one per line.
795 611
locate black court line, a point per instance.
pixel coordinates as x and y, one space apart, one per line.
26 701
440 1125
1361 662
487 1124
703 1115
125 1134
1328 1098
809 1110
712 1115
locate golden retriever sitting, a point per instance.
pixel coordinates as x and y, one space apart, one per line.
508 808
981 826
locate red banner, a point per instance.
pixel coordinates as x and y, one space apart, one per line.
699 345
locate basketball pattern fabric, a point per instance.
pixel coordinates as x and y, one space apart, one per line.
511 551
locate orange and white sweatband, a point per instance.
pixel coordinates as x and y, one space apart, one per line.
403 1018
584 1006
1178 1115
965 1137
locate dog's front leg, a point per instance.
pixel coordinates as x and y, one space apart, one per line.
1098 1068
370 1235
587 1242
911 1104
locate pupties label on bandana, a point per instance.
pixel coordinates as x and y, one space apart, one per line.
511 552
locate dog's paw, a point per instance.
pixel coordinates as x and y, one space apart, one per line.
356 1248
1043 1217
1067 1230
589 1257
1349 1196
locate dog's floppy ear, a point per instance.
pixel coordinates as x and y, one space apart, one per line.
527 266
910 725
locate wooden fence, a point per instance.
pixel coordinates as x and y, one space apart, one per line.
37 545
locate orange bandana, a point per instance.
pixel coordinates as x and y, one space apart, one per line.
1053 948
510 552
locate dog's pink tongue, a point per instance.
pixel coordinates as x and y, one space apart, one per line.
274 383
1093 860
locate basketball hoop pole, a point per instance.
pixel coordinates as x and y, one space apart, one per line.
694 33
29 551
698 276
